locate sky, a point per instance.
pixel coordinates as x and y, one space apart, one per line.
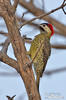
52 87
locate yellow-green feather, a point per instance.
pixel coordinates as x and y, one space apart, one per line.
42 56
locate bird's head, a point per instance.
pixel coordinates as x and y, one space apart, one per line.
47 28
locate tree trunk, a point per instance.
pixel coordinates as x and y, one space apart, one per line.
22 59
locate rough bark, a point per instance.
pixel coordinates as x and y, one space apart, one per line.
25 72
20 54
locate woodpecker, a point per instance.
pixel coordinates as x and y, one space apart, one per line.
40 61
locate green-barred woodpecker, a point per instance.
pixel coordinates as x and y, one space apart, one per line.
40 61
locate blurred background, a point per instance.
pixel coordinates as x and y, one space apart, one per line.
52 83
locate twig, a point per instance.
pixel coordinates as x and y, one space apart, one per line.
60 33
37 11
5 45
55 71
63 7
1 44
3 33
8 74
10 98
43 15
24 14
59 46
23 20
28 41
37 26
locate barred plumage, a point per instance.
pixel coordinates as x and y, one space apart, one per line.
44 52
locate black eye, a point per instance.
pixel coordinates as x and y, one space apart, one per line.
43 24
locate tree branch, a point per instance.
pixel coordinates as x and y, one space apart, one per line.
43 15
58 46
37 26
15 5
20 54
18 44
5 45
37 12
55 71
7 60
3 33
63 7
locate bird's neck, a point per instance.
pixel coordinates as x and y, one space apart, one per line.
48 34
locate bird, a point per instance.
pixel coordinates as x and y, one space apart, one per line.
10 98
40 50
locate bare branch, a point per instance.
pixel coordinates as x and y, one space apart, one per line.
15 5
5 45
8 74
31 23
43 15
60 33
37 26
3 33
1 44
10 98
36 11
55 71
63 7
7 60
24 13
20 54
19 48
28 40
58 46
